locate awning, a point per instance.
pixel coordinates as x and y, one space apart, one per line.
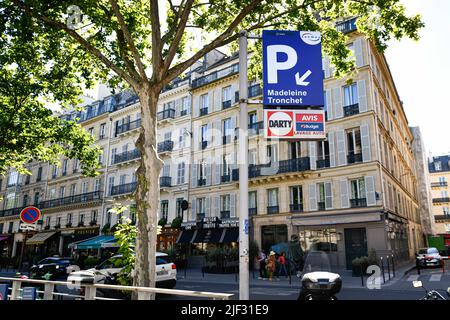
3 238
231 235
94 243
185 236
40 238
336 219
209 235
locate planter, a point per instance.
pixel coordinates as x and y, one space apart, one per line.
356 270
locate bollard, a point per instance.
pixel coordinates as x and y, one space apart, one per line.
290 280
393 266
235 274
443 265
389 269
362 275
382 270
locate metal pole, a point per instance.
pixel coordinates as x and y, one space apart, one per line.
393 266
389 269
243 170
382 270
22 250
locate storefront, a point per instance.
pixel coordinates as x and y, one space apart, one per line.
75 235
6 245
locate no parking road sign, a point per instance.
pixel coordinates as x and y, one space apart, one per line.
30 215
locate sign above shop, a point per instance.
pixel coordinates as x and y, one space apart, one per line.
294 124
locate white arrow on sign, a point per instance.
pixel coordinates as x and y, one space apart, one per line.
301 80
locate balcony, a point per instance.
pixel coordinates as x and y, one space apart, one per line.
225 178
252 211
69 224
284 166
321 205
75 199
201 182
351 110
273 209
93 223
225 214
358 202
439 184
441 200
165 181
183 113
127 156
323 162
123 189
296 207
128 126
214 76
203 111
255 128
165 146
166 114
10 212
226 104
346 26
254 90
441 218
354 158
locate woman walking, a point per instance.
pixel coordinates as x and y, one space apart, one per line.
282 264
271 265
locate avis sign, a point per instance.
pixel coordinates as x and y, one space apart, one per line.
294 124
292 68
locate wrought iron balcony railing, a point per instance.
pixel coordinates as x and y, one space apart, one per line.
358 202
225 72
296 207
165 181
165 146
166 114
354 158
78 198
123 188
441 200
351 110
127 156
128 126
273 209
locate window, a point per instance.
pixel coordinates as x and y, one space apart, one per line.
442 181
437 166
350 95
181 173
36 198
64 167
321 193
227 129
85 187
52 194
296 198
444 194
252 202
10 201
295 149
204 103
225 167
91 131
252 156
13 178
58 221
25 201
204 135
272 153
48 220
354 141
55 172
225 206
110 184
62 191
102 131
73 189
113 154
39 175
11 227
100 156
94 216
75 165
81 219
357 188
125 148
201 204
179 209
69 218
323 150
164 209
251 118
122 179
226 93
97 185
184 106
201 172
272 196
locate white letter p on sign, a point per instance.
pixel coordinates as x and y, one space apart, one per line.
273 65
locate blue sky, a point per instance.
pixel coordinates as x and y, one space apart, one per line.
421 71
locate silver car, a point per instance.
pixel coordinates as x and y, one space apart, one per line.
428 257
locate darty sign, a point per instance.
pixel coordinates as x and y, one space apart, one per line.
294 124
292 68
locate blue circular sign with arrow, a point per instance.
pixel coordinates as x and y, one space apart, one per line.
30 215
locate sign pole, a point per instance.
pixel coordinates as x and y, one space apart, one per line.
22 249
243 170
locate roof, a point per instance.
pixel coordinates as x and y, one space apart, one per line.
444 160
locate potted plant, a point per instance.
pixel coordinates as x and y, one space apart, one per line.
176 223
162 222
359 265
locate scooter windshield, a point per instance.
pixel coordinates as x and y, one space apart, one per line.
317 261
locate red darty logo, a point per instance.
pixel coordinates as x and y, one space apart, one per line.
280 123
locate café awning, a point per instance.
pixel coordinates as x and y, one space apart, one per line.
231 235
186 236
40 238
94 243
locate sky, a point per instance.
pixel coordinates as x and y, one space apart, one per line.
421 72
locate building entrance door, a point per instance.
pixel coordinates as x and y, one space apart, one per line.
355 244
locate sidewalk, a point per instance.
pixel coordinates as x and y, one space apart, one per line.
348 281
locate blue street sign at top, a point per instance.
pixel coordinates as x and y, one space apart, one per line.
292 68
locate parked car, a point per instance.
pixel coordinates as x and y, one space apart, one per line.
166 272
52 268
427 257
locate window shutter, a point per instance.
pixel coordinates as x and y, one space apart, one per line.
217 172
233 126
341 152
359 53
217 104
328 196
345 203
365 143
193 208
370 190
330 112
196 106
232 205
326 66
177 108
216 207
313 154
331 148
208 207
209 135
312 197
234 88
362 97
194 175
217 132
337 102
208 171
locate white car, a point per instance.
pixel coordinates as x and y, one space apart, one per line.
166 272
428 257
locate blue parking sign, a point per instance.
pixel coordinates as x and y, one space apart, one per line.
292 68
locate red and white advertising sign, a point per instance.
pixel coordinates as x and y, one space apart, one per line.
294 124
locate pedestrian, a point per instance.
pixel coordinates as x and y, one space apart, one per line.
282 264
262 264
271 265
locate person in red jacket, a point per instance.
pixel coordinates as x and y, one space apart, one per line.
282 264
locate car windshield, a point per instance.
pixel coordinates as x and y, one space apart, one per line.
114 262
423 251
317 261
432 250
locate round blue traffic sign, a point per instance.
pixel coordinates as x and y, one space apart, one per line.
30 215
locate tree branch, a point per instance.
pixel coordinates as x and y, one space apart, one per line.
178 35
157 60
128 38
123 53
89 47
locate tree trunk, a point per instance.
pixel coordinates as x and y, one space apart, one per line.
147 191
